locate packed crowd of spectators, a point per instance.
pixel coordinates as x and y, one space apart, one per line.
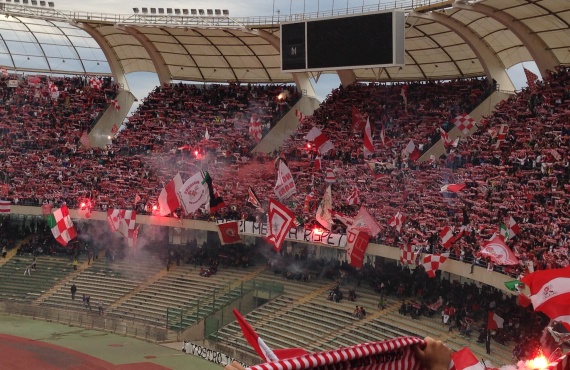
184 128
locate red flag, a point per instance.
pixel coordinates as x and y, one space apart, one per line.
502 134
407 254
228 232
356 243
253 199
464 123
353 197
464 359
412 150
280 220
169 200
550 292
431 263
320 140
299 115
397 221
318 163
494 321
447 142
446 235
514 228
454 188
358 120
498 252
368 145
366 222
530 79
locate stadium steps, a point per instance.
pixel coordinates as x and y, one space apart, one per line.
141 287
72 275
12 252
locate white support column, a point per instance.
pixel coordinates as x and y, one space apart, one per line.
114 62
304 84
346 76
541 54
491 63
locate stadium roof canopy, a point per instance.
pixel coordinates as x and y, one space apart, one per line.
445 40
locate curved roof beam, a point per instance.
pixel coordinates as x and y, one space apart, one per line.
156 58
72 45
491 63
114 63
253 53
9 52
37 41
221 54
183 46
540 52
428 36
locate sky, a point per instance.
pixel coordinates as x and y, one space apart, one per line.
141 84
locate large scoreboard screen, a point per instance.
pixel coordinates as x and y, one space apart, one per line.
359 41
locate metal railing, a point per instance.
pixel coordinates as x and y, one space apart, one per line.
87 320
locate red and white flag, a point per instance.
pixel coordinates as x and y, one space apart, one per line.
4 206
447 142
496 250
367 140
453 188
194 193
385 141
207 135
358 120
324 215
285 185
531 79
168 200
318 163
330 176
85 140
550 293
464 123
127 225
255 129
280 219
229 232
114 219
320 140
61 226
494 321
432 262
365 221
514 228
253 199
397 221
407 254
502 134
357 239
464 359
299 115
412 151
353 197
95 83
446 235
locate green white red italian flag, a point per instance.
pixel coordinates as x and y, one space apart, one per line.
61 226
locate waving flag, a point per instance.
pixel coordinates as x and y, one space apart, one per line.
324 216
404 94
494 321
253 199
531 79
194 193
95 83
550 292
280 219
285 185
353 197
464 359
464 123
357 239
407 254
4 206
447 142
318 163
169 199
453 188
114 218
502 134
412 151
215 201
229 232
514 228
432 262
61 225
368 145
365 221
320 140
358 120
446 235
299 115
255 129
498 252
397 221
330 176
